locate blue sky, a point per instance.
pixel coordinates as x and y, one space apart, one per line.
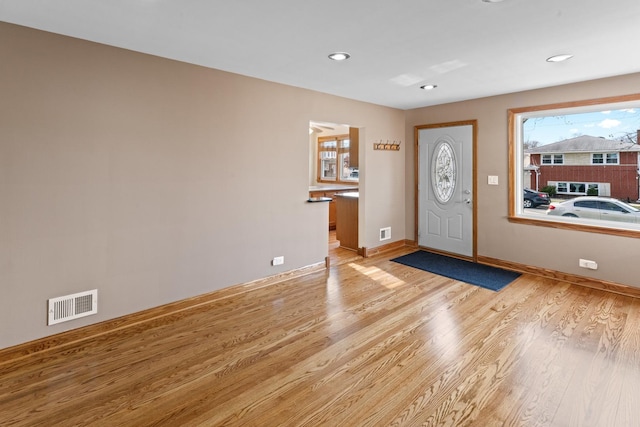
608 124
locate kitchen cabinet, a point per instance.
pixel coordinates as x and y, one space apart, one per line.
347 219
330 191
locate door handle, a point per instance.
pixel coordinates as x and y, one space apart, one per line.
467 201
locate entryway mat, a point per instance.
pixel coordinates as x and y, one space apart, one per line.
485 276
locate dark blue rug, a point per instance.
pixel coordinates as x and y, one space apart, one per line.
465 271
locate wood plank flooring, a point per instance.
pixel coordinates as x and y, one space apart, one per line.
367 343
339 255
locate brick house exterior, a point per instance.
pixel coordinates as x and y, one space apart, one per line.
574 165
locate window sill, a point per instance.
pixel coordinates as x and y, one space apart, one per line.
590 228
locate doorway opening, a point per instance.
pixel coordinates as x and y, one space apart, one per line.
334 171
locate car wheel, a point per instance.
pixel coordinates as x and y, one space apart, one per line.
527 203
570 215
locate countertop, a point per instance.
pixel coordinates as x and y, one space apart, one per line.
332 187
351 195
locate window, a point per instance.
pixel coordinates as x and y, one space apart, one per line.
608 206
602 158
333 160
579 136
327 159
577 187
581 188
572 187
552 159
590 204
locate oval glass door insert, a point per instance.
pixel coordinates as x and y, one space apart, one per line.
443 169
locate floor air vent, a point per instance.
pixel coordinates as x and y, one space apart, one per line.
73 306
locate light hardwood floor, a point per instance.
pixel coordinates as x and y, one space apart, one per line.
367 343
340 255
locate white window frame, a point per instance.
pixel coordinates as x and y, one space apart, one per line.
564 187
600 157
606 159
553 159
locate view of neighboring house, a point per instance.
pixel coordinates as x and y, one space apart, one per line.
585 164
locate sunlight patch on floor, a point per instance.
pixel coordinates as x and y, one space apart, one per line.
387 280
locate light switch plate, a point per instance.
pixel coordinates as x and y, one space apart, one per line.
492 180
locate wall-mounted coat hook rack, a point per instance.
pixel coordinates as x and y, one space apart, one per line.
389 146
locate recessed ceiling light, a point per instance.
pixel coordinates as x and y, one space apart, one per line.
428 87
559 58
492 1
339 56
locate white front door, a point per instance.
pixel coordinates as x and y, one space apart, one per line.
445 190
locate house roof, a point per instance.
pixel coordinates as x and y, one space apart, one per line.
585 144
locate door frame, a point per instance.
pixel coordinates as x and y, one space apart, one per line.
416 163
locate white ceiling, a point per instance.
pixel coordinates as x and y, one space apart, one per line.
469 48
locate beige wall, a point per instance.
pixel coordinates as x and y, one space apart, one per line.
153 180
577 159
530 245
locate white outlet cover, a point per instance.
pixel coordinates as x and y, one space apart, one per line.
585 263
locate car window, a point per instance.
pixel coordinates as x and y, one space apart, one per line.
608 206
591 204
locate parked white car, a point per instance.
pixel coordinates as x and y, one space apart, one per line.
594 207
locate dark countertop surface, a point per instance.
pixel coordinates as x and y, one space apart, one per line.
351 195
319 199
333 187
